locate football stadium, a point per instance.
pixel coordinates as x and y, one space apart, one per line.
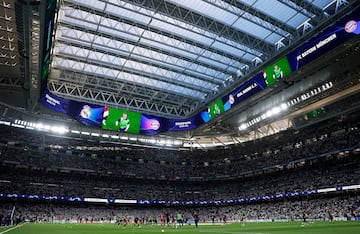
179 116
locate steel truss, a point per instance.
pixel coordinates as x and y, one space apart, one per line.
11 82
136 64
103 97
10 43
182 14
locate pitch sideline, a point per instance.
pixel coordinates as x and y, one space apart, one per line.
10 229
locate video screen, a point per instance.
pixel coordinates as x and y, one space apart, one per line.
215 109
277 71
150 124
54 102
88 114
184 124
244 91
121 120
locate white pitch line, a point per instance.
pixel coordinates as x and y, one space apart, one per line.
10 229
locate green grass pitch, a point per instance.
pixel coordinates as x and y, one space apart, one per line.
255 228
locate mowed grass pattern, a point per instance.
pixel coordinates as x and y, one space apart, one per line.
255 228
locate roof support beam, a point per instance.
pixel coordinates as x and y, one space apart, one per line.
124 88
194 18
266 18
81 93
172 81
157 31
68 39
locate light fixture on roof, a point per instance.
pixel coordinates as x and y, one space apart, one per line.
59 129
276 110
284 106
269 113
243 127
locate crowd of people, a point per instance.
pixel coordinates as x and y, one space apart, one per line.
290 161
325 173
342 207
33 149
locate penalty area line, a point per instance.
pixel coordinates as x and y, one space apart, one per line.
10 229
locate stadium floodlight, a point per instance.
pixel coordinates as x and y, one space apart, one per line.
39 126
18 125
269 113
5 123
276 110
59 129
284 106
152 141
243 127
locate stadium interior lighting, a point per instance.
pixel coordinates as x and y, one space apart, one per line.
95 134
59 129
75 131
40 126
85 133
269 113
276 110
105 135
114 137
161 142
18 125
284 106
243 126
7 123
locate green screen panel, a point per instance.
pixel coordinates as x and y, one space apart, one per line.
121 120
277 71
216 108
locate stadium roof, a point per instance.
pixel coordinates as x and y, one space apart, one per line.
10 53
171 58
